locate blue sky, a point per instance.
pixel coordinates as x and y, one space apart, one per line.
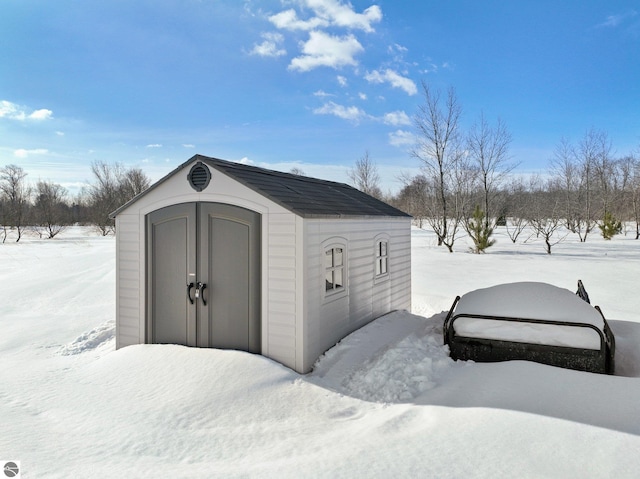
311 84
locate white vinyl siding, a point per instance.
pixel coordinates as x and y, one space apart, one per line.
329 321
130 291
282 289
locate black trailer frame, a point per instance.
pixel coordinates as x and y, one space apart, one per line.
491 350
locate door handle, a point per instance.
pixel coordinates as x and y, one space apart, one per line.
189 288
200 292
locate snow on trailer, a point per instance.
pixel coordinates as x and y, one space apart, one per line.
530 321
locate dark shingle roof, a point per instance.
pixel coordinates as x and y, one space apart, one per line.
302 195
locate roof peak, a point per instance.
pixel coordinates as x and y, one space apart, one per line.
304 196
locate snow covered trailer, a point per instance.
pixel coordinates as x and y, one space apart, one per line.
530 321
226 255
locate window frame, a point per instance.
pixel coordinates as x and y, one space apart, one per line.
381 258
334 292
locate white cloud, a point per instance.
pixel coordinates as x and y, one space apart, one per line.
11 111
612 21
188 145
288 20
328 13
322 93
342 81
362 96
394 78
22 153
434 67
396 47
154 145
401 138
342 15
270 47
396 118
326 50
60 133
398 52
351 113
42 114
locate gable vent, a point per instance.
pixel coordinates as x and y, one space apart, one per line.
199 176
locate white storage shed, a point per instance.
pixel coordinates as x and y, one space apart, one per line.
226 255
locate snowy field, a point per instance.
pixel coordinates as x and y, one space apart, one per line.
386 402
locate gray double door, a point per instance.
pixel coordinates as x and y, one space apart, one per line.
204 276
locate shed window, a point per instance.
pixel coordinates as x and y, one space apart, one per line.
382 257
334 269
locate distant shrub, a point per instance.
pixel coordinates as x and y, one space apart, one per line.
610 226
480 231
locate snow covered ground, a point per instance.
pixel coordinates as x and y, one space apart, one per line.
386 402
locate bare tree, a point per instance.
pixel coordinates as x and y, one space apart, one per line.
365 176
565 169
103 195
586 158
51 212
438 149
630 168
297 171
80 210
488 148
16 195
574 171
545 213
114 186
133 182
516 208
635 195
3 217
604 169
412 198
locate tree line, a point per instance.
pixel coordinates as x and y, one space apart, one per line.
467 182
466 185
47 208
